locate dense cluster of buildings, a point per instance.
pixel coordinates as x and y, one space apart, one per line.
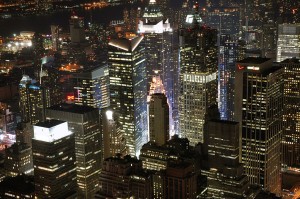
201 104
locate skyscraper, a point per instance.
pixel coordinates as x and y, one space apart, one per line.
18 160
77 29
54 160
113 141
91 88
85 123
291 116
288 43
228 55
159 119
258 109
33 100
128 92
198 78
158 43
225 174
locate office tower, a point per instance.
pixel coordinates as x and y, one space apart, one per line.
91 87
85 123
128 92
226 20
124 178
54 160
113 141
21 186
159 119
228 55
77 29
18 160
55 37
291 131
180 180
225 175
156 157
158 43
198 79
152 12
35 97
24 101
258 109
33 100
288 43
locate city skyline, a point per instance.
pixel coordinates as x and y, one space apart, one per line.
150 99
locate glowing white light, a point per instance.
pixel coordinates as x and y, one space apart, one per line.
109 115
17 43
29 44
51 134
9 45
252 68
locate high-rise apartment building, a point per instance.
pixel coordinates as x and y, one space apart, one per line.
288 43
198 79
84 122
225 173
128 92
91 88
159 119
228 55
291 115
54 160
258 109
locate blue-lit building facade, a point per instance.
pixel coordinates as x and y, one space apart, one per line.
228 52
128 90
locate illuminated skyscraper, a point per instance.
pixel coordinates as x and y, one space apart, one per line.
128 92
54 160
258 109
226 20
288 43
113 141
91 88
55 37
84 121
228 55
159 57
159 119
33 100
198 79
291 116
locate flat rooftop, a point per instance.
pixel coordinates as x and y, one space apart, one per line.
72 108
49 123
254 60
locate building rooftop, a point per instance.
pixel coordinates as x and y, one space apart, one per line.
49 123
72 108
224 121
126 44
254 60
292 60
